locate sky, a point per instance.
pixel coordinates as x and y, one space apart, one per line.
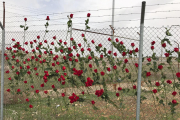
37 10
126 15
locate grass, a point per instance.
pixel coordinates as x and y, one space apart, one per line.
127 110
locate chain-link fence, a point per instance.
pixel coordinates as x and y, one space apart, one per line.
54 106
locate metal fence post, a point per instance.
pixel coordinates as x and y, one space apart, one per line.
2 69
140 60
112 32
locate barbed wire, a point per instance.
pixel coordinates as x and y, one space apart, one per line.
95 10
110 21
101 16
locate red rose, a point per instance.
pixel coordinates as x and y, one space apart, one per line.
132 44
134 86
53 86
119 88
63 68
37 74
89 49
109 39
77 55
117 94
82 49
130 52
47 18
101 56
65 74
82 35
57 63
18 90
25 19
136 50
32 86
108 69
38 37
164 45
13 39
35 41
100 45
136 64
53 64
126 60
169 81
174 101
71 15
157 84
26 43
70 59
9 78
54 37
76 60
17 73
83 92
30 106
52 43
45 41
62 94
154 91
65 43
37 91
93 102
7 71
124 53
152 47
95 70
28 72
74 47
126 70
63 83
42 85
28 67
92 41
160 67
45 91
174 93
8 90
89 57
102 73
90 65
25 81
149 59
7 58
178 74
176 50
121 42
88 15
109 52
148 74
115 54
17 60
117 40
12 67
153 42
27 100
114 67
71 39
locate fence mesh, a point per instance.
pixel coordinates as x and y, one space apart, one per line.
50 106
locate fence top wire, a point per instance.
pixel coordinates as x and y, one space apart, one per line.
93 10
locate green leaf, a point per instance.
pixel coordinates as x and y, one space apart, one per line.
85 70
148 64
161 102
26 28
22 26
168 33
97 63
